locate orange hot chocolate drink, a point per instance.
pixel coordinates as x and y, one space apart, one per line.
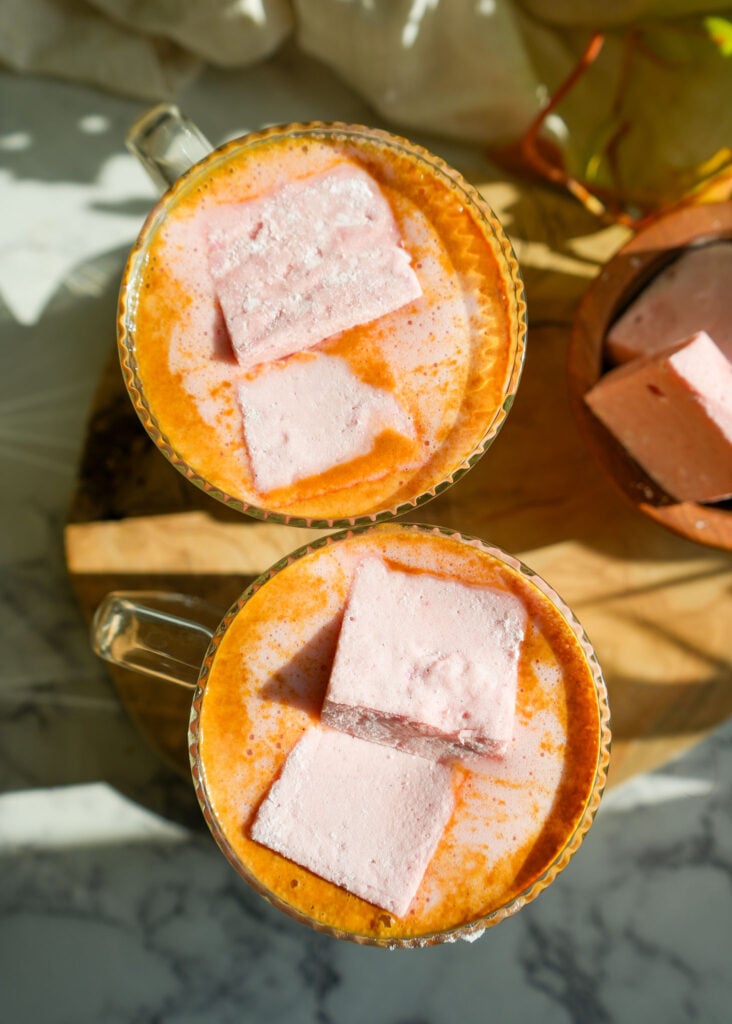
515 820
440 370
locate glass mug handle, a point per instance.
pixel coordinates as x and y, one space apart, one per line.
167 144
162 635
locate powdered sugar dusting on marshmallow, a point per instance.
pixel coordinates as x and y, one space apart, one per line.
309 413
311 259
427 664
357 814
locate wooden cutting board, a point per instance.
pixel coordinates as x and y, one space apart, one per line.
656 606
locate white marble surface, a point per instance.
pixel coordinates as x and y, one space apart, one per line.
114 904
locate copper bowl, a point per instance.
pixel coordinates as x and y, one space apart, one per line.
622 279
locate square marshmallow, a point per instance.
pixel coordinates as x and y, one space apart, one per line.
310 259
692 294
307 414
357 814
672 411
426 664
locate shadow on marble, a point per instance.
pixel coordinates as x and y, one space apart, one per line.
152 925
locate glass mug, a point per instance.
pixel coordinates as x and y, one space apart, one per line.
452 360
258 681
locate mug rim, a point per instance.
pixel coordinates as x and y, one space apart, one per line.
494 234
472 929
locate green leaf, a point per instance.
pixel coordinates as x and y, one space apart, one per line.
720 32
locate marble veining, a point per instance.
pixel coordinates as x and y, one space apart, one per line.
151 924
115 905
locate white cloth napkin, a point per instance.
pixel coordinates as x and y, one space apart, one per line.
147 49
647 118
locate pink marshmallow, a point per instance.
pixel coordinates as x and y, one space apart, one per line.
312 258
357 814
672 412
692 294
304 415
426 664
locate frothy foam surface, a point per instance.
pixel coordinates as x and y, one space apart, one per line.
512 815
445 357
